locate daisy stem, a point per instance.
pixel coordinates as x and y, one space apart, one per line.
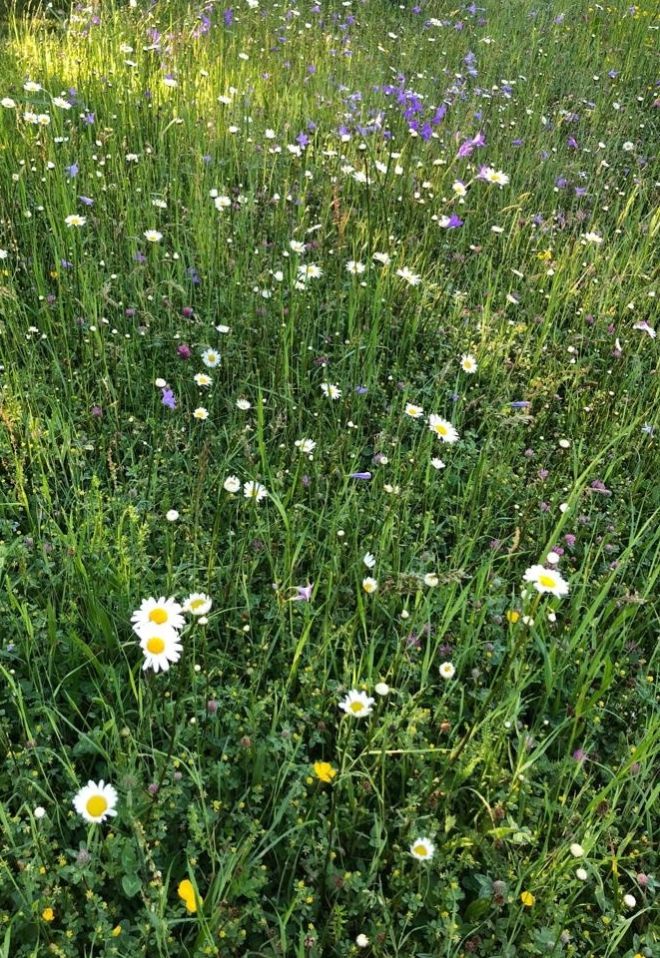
175 719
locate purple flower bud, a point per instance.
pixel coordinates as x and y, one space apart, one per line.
212 706
360 475
184 351
153 789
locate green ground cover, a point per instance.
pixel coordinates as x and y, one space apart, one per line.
331 329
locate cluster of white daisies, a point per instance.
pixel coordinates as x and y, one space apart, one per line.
157 624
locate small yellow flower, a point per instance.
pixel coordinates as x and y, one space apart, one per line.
187 894
527 899
116 931
512 616
324 771
48 914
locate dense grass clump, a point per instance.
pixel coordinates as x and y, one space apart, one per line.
330 328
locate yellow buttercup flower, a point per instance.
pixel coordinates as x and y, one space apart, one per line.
116 931
527 899
512 616
187 895
324 771
48 914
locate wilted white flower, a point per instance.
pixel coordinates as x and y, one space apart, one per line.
231 484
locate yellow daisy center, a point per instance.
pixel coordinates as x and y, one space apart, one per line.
356 707
421 850
155 645
158 615
547 581
96 805
441 429
196 603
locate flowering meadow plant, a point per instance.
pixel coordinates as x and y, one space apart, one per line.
329 526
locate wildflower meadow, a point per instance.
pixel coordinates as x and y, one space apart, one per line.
329 512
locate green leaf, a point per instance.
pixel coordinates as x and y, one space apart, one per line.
131 885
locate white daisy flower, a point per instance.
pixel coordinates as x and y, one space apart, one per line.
153 236
407 274
358 704
161 646
309 271
369 560
546 580
197 603
415 412
254 490
243 404
468 363
201 413
202 379
496 176
355 268
447 670
74 219
443 429
211 358
422 849
369 585
157 612
437 463
330 390
306 446
95 802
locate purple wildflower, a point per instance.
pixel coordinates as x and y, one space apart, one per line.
599 486
169 399
303 593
